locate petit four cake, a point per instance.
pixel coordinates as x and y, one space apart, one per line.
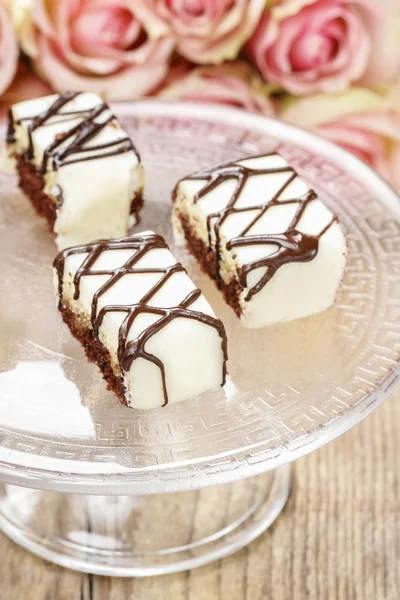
275 250
77 166
141 319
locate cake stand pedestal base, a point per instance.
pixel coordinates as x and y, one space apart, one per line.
136 536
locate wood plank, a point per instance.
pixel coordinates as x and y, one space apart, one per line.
338 538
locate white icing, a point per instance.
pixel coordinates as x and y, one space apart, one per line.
297 289
7 163
96 193
190 350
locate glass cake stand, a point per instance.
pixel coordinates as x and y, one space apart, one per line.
97 487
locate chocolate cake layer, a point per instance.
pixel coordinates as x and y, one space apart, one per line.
206 258
32 184
95 352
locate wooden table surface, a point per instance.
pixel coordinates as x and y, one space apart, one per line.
338 538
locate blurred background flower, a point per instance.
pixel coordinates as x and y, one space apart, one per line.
96 46
206 31
327 65
8 48
310 46
363 122
235 84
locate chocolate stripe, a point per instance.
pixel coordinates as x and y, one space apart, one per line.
292 245
79 135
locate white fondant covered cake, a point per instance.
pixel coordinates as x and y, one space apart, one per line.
141 318
276 251
77 165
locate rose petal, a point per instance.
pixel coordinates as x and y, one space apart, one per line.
42 19
382 24
107 60
323 47
287 8
385 124
318 109
363 122
130 82
234 84
212 35
365 141
394 167
103 27
8 50
154 22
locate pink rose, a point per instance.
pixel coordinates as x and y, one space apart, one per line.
310 46
206 31
9 51
235 84
363 122
97 45
373 137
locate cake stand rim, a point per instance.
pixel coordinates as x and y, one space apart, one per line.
201 471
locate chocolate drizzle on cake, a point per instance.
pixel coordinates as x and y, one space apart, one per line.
292 245
71 146
10 136
132 349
